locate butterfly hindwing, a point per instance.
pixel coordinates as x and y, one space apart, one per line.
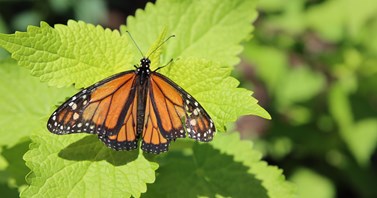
97 109
199 125
127 137
152 139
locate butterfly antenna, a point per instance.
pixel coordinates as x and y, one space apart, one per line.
171 60
161 44
135 43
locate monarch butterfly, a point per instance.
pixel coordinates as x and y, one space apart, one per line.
134 104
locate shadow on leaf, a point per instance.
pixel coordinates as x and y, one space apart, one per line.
206 172
90 148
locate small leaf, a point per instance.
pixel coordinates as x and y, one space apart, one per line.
271 64
360 136
362 140
299 85
155 50
312 185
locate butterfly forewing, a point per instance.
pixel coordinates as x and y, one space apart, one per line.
179 112
168 102
97 109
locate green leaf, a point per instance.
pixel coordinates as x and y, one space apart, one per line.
290 18
154 52
23 106
227 168
210 29
339 23
271 176
270 63
299 85
43 160
228 103
81 166
340 108
215 89
312 185
362 140
360 136
14 173
78 53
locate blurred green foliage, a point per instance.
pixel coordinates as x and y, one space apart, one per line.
316 62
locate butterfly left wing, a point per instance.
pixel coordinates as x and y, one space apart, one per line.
99 109
127 137
177 112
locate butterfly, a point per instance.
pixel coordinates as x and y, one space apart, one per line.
132 105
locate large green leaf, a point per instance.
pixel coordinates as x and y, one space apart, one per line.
77 53
80 53
24 102
210 29
81 166
228 167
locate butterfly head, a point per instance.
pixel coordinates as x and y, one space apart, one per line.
145 62
144 69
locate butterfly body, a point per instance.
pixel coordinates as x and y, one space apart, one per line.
133 105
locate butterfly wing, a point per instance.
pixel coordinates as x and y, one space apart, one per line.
99 109
127 136
153 140
119 113
177 112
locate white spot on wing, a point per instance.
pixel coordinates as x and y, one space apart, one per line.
76 116
196 112
74 106
193 122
